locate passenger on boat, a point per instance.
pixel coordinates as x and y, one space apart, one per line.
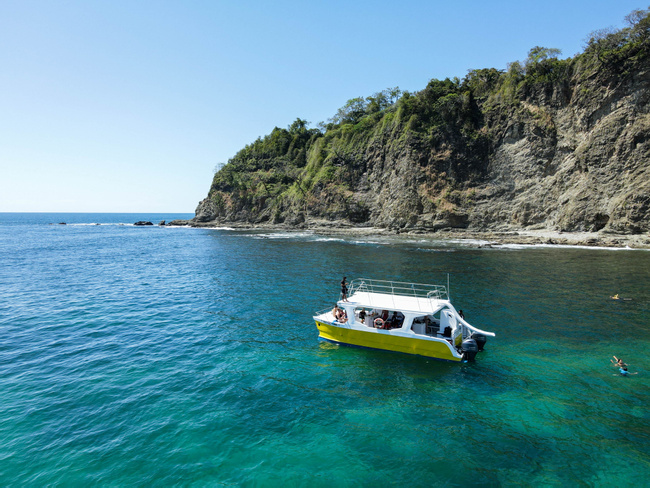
392 322
461 314
389 322
429 326
344 290
339 315
398 320
362 316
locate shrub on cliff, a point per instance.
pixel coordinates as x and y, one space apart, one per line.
619 50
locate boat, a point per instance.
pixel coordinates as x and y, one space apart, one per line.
411 318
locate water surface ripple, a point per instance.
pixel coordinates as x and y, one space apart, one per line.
159 356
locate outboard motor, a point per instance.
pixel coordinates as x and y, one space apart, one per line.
469 348
480 339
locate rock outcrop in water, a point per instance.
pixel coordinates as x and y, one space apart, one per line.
551 144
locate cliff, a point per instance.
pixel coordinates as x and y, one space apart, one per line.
549 144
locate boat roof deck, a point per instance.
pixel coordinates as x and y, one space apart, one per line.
386 301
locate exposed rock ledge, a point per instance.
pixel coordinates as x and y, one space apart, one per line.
482 238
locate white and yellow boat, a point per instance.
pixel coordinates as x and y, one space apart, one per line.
412 318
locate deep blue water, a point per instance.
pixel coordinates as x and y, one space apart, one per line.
156 356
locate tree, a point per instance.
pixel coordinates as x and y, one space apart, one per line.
351 112
482 82
542 65
636 16
540 54
356 108
639 22
298 125
382 100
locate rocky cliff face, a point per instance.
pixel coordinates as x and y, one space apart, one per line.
565 152
575 161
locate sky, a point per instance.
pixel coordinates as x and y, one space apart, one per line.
130 105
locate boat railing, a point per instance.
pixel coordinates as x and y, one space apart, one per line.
418 290
323 312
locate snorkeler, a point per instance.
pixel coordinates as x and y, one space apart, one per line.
619 362
624 372
622 367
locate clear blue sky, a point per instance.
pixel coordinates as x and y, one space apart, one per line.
128 106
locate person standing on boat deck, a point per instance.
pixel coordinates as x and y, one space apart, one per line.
344 290
462 315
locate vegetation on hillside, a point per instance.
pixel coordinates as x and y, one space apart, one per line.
448 125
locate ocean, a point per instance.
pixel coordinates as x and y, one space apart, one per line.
157 356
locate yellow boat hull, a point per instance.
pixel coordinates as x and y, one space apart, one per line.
379 339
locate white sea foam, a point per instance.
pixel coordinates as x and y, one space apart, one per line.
436 249
284 235
370 241
428 245
328 239
469 242
564 246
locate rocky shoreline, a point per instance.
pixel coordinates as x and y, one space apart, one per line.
481 238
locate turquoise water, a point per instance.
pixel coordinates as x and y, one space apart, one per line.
174 356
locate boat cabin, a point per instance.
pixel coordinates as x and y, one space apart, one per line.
404 317
441 323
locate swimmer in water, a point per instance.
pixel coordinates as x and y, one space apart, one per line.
622 367
624 372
